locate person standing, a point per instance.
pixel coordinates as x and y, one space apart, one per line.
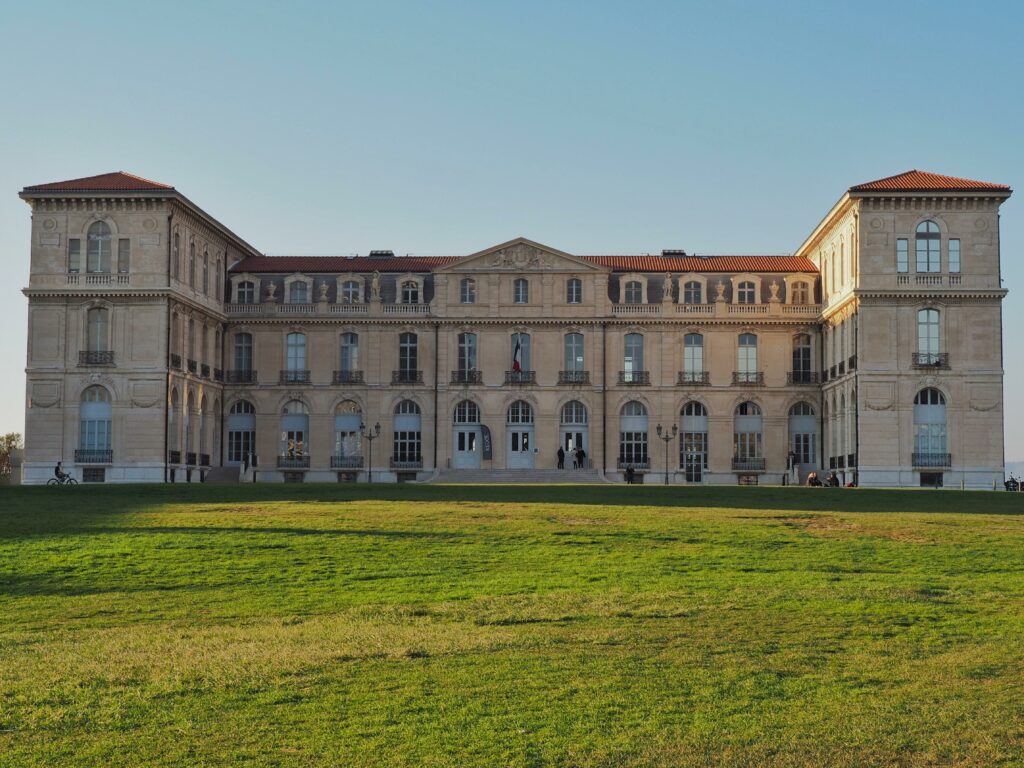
561 458
581 458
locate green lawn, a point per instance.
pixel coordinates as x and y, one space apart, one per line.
510 626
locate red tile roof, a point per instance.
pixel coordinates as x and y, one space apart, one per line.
913 181
118 181
676 264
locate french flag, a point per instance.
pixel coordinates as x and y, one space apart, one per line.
517 357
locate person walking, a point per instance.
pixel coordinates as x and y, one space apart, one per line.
561 458
581 458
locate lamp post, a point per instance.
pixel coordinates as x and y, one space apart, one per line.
667 437
370 435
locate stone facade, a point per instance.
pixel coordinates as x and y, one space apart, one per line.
161 346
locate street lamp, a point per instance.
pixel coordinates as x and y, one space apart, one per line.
370 435
667 437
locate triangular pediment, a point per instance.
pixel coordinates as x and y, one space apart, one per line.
521 255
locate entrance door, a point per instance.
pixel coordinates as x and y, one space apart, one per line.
573 438
466 448
695 452
520 448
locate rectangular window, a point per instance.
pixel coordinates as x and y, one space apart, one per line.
747 445
407 446
954 256
633 448
74 255
803 448
902 255
240 445
124 253
574 291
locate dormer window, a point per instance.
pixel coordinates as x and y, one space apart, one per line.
245 292
634 293
410 292
350 292
692 292
746 293
298 293
798 293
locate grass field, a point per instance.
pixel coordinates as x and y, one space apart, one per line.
510 626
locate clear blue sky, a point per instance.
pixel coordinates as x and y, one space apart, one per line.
445 127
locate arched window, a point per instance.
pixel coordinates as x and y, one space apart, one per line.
467 412
574 362
296 358
192 265
573 412
693 442
245 292
294 431
633 436
520 352
693 359
930 443
410 292
467 352
520 412
747 438
350 292
408 437
803 433
94 434
206 273
243 354
633 359
348 451
692 292
574 291
802 373
928 337
348 357
521 291
634 293
298 292
98 248
98 325
928 247
408 370
467 290
176 257
747 360
241 432
746 293
799 293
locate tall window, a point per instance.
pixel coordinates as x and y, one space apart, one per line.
204 349
692 292
693 443
192 265
407 445
467 352
747 293
802 359
634 292
928 246
295 430
192 339
410 292
954 255
95 418
693 358
407 356
98 324
521 291
747 358
633 357
206 273
803 433
930 427
347 439
296 351
350 292
902 255
633 435
520 350
298 292
245 292
747 426
98 254
176 256
243 352
798 293
574 352
574 291
124 255
218 280
928 336
241 431
349 361
74 255
467 290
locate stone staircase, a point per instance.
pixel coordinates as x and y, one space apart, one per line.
527 476
222 475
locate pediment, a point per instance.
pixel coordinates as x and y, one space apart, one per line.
521 255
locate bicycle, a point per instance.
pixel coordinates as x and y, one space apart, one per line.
62 480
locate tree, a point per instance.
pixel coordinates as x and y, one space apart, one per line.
9 442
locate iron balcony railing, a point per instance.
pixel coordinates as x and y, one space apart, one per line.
931 360
193 366
694 379
852 364
93 456
472 376
293 462
570 378
175 362
932 460
520 377
87 357
851 460
204 459
347 377
407 377
241 377
635 463
747 465
832 372
294 377
635 378
190 459
346 462
748 378
802 377
406 463
174 457
218 374
841 367
204 371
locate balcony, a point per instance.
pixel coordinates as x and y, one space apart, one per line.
635 378
192 365
241 377
190 459
523 378
346 462
637 464
204 371
175 362
832 372
95 358
294 377
296 309
347 309
293 462
416 310
93 456
802 377
693 379
932 460
633 310
933 360
407 377
174 457
748 378
842 368
851 460
747 465
347 377
406 463
852 364
467 377
218 375
204 459
574 378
